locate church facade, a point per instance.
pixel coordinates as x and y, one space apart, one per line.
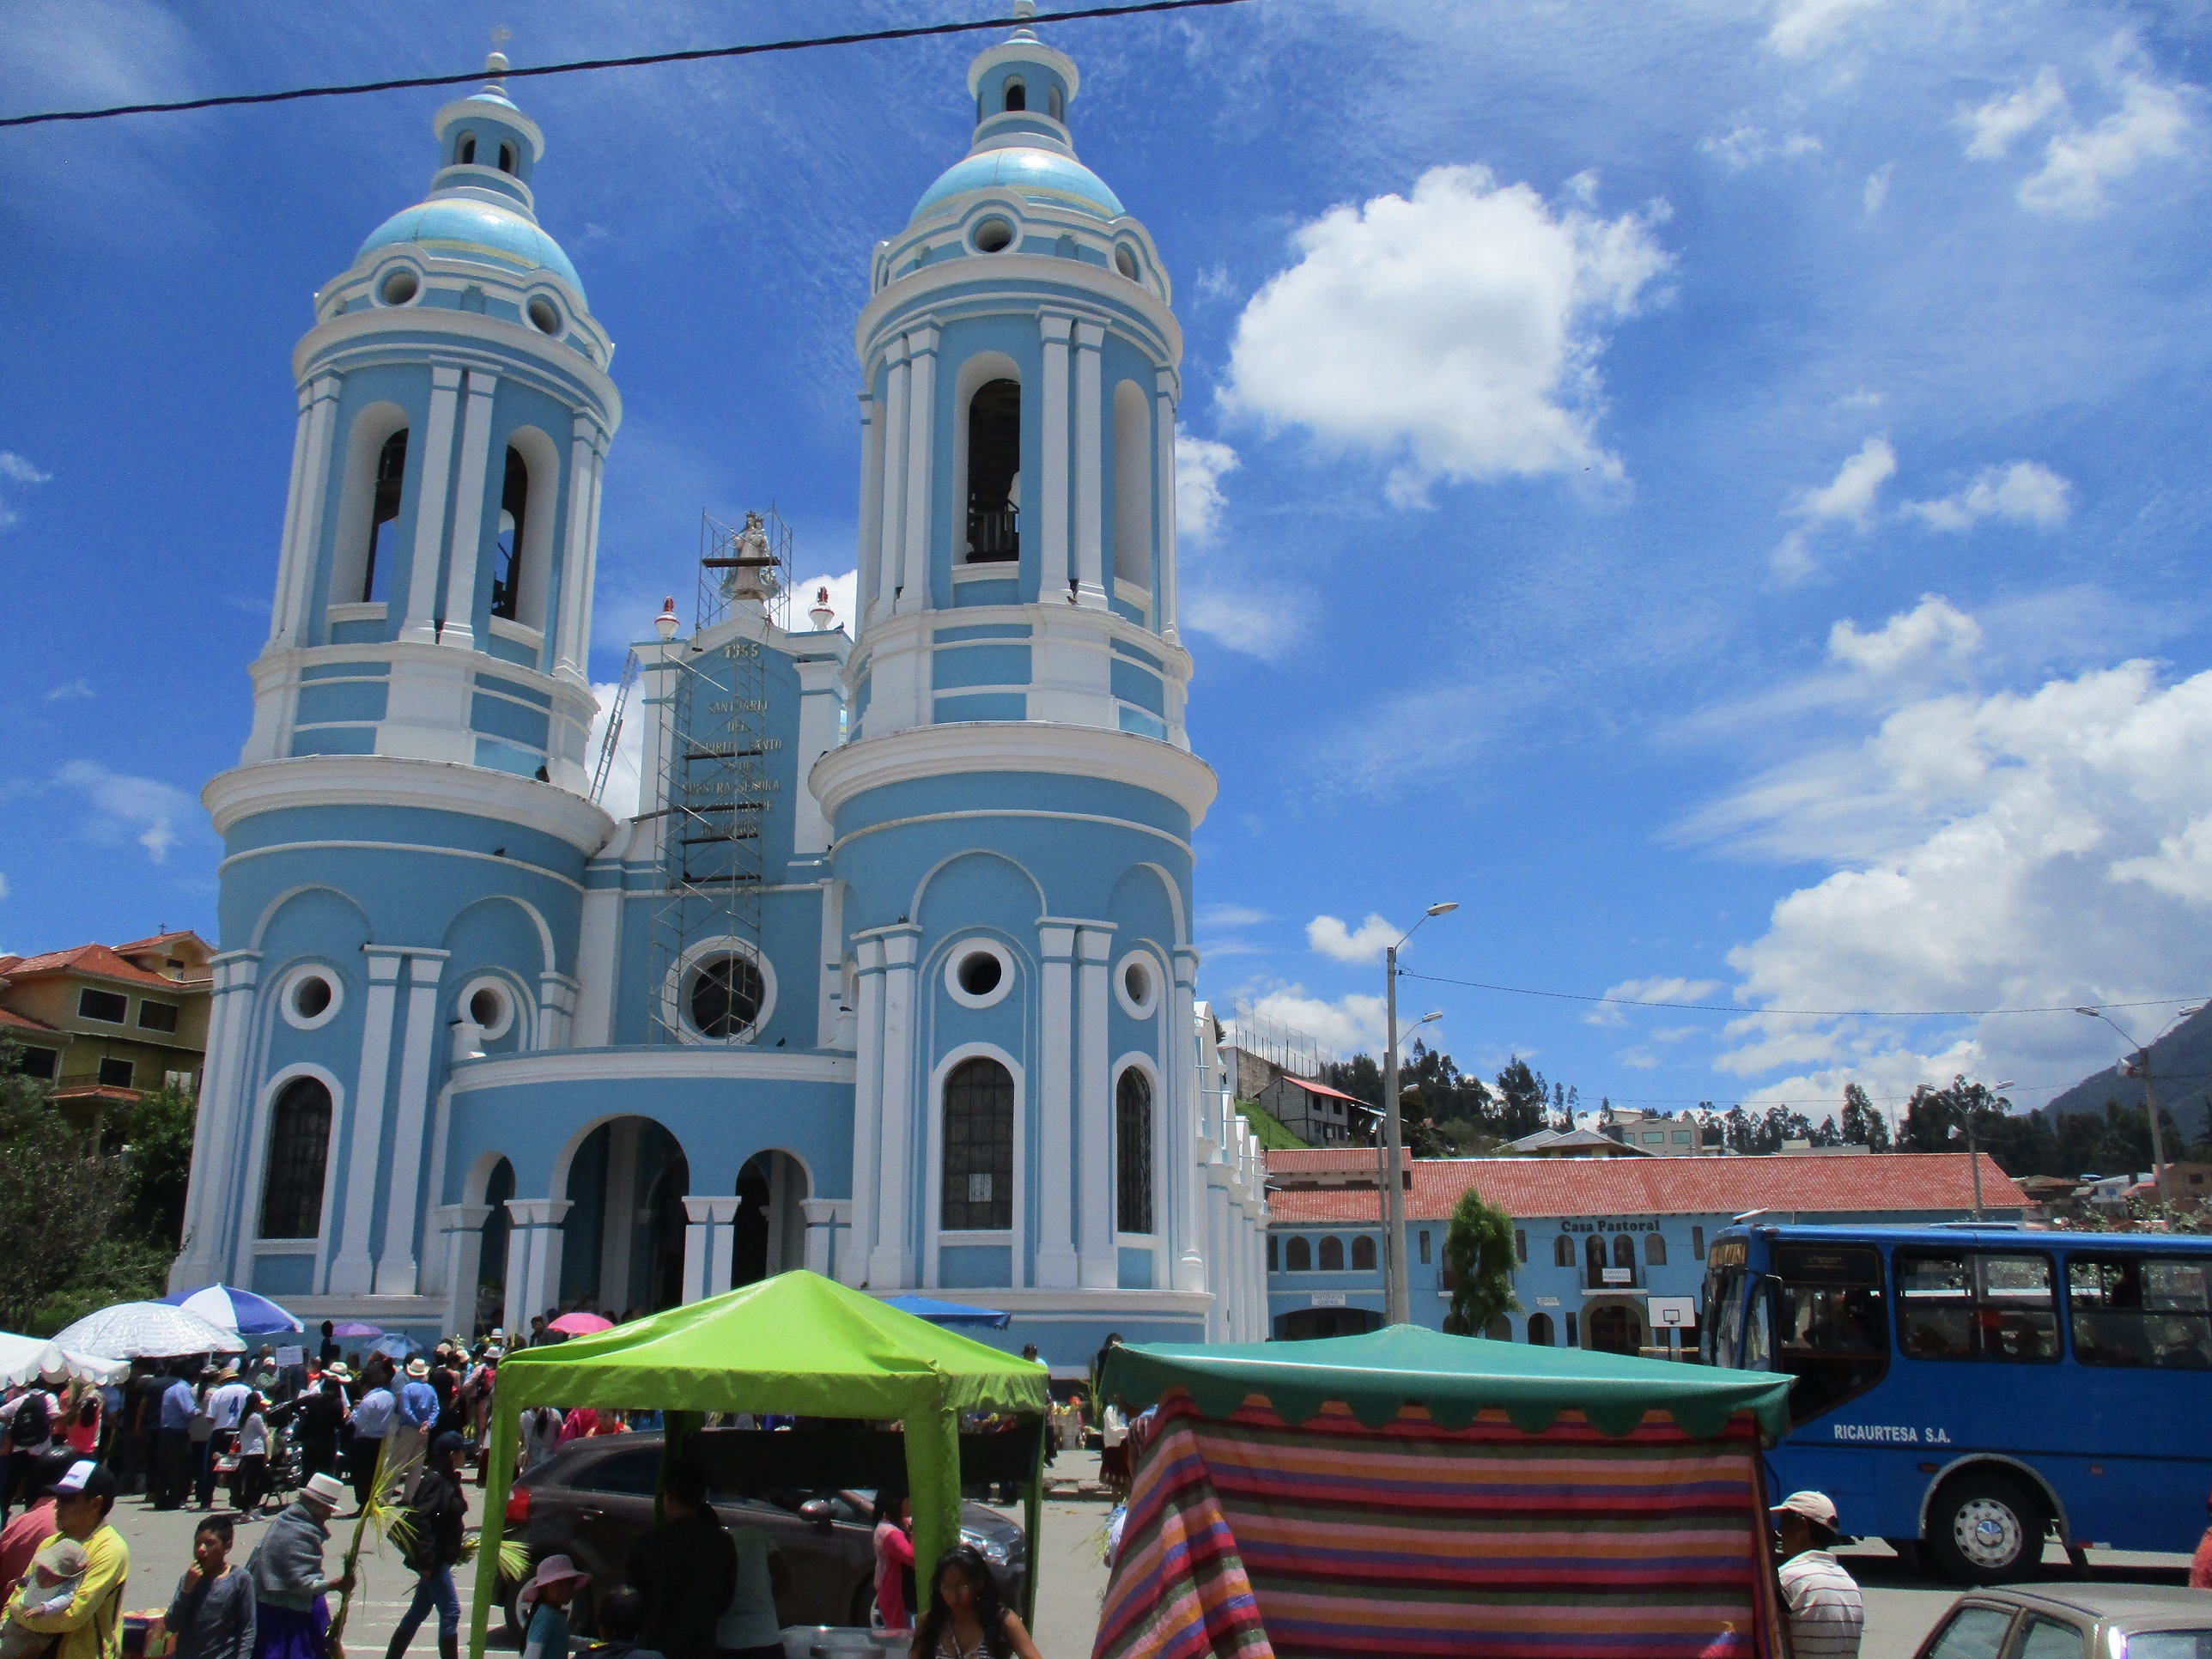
889 972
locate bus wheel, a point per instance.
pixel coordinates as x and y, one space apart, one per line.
1985 1529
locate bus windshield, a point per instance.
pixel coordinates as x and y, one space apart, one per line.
1820 1316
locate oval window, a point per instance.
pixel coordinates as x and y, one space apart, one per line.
544 316
980 973
993 236
724 997
398 288
486 1006
1125 262
311 996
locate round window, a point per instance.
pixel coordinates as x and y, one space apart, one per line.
311 996
398 288
723 997
544 316
1137 985
486 1006
993 236
980 973
1125 262
1137 982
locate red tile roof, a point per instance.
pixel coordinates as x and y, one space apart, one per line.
1527 1188
1313 1088
153 940
97 960
9 1019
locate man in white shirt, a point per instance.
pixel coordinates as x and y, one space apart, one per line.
1826 1614
371 1421
224 1406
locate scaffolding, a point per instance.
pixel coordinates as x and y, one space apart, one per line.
716 791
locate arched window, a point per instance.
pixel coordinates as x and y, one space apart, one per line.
507 562
1018 95
1274 1262
978 1193
1363 1255
1054 105
1332 1255
391 473
298 1144
1133 485
1500 1329
1540 1329
1563 1251
1655 1250
1132 1152
994 472
1624 1251
1297 1256
466 153
507 158
1594 1260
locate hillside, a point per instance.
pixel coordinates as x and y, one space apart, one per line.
2181 1069
1272 1136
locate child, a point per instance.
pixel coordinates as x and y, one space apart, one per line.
547 1636
213 1615
54 1573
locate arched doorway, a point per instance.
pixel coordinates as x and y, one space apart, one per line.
491 1253
770 1230
623 1238
1615 1327
1303 1324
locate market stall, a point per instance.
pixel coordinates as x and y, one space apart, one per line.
38 1359
797 1344
1408 1493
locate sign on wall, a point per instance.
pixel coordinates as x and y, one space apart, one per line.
1329 1298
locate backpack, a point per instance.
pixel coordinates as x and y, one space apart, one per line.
33 1424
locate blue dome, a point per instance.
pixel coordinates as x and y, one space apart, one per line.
457 227
1041 175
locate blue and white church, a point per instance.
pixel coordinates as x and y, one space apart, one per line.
891 973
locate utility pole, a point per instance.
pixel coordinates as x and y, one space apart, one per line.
2138 1066
1397 1294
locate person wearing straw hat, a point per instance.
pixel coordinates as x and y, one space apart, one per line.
291 1616
544 1602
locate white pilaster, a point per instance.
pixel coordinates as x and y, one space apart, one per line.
867 561
867 1110
591 555
311 481
354 1271
216 1204
1056 1164
709 1236
462 1225
1164 409
571 650
891 1263
920 465
1052 466
470 507
891 525
279 607
1181 1126
1089 464
618 1210
826 1218
395 1262
1101 1262
557 1007
533 1259
433 500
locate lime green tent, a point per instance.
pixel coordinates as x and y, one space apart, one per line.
797 1344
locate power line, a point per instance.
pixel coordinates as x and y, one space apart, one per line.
1819 1013
699 54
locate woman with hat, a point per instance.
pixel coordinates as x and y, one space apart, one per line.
544 1602
292 1616
433 1545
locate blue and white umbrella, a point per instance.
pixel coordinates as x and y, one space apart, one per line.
242 1311
394 1345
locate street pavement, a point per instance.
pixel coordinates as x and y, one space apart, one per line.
1902 1606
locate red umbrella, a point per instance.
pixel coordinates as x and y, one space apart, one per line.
580 1324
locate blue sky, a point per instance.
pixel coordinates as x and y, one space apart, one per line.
1717 489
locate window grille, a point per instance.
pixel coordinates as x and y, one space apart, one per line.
978 1193
299 1143
1132 1152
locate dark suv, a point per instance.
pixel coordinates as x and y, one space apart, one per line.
593 1500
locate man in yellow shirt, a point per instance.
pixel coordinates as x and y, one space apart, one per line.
91 1625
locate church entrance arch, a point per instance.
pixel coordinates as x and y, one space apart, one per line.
771 1228
621 1249
1615 1327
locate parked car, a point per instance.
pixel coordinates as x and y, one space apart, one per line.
593 1500
2076 1622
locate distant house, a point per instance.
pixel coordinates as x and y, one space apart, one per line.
1574 1143
1686 1136
105 1024
1317 1113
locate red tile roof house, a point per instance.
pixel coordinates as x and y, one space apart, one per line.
1610 1251
106 1023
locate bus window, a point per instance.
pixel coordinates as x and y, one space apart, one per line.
1976 1304
2140 1311
1833 1335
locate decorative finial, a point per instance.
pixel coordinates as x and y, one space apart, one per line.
666 623
1024 10
822 615
496 63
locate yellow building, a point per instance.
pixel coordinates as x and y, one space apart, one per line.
106 1024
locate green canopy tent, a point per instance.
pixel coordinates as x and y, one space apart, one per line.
797 1344
1441 1493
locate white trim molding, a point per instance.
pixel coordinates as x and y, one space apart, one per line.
310 781
931 751
708 1060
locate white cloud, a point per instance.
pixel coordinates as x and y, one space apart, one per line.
1366 943
1744 146
1804 26
1232 915
1456 332
121 804
843 593
1850 497
1658 988
1349 1024
2019 491
70 692
1933 628
1201 464
4 889
15 470
1877 187
1260 621
2151 124
1994 124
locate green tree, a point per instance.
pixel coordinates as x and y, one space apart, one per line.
1523 1100
1864 1126
1479 1263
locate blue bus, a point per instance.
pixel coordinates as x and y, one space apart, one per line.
1969 1390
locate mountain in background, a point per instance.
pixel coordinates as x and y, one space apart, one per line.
2181 1071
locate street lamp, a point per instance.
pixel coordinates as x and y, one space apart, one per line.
2139 1066
1974 1147
1397 1302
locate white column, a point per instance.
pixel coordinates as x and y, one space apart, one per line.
590 556
867 1110
432 497
1101 1261
533 1259
618 1210
1164 408
1181 1128
214 1195
710 1235
867 562
1054 569
280 605
920 465
556 1008
395 1263
890 1264
1055 1250
823 1218
354 1271
890 528
468 510
311 478
463 1226
1090 461
572 653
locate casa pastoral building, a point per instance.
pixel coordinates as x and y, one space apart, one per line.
1609 1251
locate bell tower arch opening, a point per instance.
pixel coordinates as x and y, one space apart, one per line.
994 472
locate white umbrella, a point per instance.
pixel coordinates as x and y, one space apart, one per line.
24 1357
145 1330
